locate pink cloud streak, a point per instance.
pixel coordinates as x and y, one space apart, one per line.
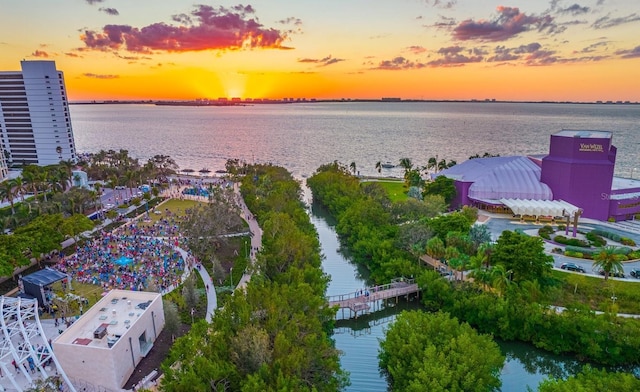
207 28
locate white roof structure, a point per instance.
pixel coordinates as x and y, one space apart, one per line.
102 348
540 207
495 178
23 343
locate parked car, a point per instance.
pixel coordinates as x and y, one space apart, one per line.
613 274
635 273
572 267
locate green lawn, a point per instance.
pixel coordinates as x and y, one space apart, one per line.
174 206
90 292
596 293
395 189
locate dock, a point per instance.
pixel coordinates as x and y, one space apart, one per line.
360 301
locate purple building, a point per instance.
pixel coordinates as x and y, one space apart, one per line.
576 174
579 169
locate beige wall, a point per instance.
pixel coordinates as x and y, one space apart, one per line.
108 367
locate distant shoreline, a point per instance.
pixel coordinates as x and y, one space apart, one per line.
251 102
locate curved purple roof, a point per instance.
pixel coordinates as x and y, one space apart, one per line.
496 178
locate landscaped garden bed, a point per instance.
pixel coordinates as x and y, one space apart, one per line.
586 244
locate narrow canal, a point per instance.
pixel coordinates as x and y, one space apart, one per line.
525 366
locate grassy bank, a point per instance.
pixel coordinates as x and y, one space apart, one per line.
395 189
596 293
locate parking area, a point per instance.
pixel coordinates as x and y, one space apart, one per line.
499 223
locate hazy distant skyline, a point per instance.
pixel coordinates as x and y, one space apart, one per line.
413 49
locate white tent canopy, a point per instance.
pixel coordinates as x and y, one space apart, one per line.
540 207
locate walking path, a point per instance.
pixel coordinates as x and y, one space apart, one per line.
212 299
256 236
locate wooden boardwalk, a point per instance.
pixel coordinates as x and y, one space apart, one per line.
360 301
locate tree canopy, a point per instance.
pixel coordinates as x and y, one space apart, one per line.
274 335
523 255
442 186
434 352
590 380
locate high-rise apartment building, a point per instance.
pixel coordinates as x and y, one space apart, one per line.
35 126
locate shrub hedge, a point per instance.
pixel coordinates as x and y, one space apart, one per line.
595 239
570 241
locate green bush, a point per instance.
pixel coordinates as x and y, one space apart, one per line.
545 232
570 241
623 250
627 241
570 253
585 251
562 227
595 239
607 234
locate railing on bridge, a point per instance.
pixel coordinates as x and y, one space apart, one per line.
360 300
395 283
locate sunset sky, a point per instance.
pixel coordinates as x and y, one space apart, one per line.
578 50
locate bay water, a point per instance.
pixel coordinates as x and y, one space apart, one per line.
301 137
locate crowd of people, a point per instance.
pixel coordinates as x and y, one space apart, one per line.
167 226
131 259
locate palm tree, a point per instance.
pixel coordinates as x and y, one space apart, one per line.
59 179
406 164
67 166
379 167
452 255
130 180
7 192
500 279
435 248
77 179
484 253
44 182
20 187
31 182
480 264
113 184
98 194
432 164
479 273
608 260
459 263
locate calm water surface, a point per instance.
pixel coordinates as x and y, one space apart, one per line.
525 366
301 137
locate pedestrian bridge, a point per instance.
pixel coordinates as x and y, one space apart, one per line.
360 301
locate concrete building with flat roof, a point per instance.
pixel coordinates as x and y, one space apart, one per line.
103 347
35 126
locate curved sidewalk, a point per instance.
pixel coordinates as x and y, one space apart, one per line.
212 299
256 236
